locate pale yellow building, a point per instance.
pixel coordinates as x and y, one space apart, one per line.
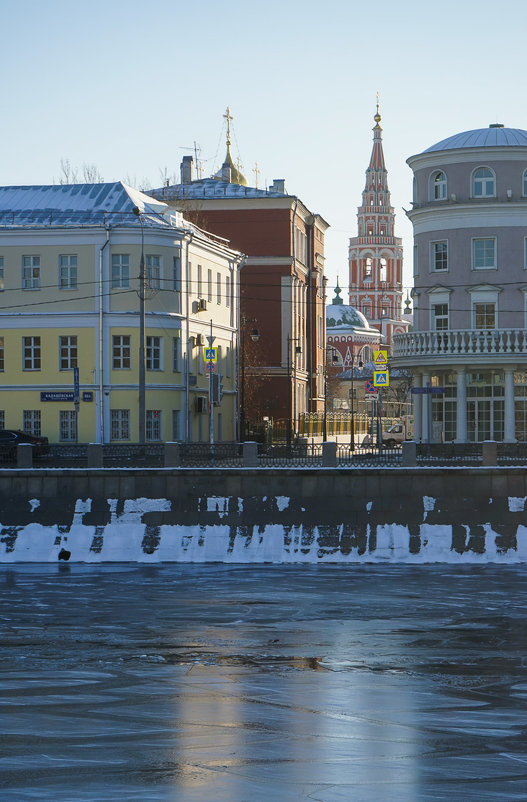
70 317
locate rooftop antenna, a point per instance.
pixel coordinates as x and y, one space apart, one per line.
256 172
197 154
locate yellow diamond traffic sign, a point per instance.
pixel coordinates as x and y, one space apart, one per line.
381 378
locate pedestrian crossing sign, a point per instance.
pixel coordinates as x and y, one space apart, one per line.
210 354
381 378
380 358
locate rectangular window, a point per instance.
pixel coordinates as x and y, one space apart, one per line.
120 270
200 281
176 354
176 424
153 272
153 424
121 352
68 425
68 352
209 285
31 422
484 254
31 272
2 418
227 291
1 273
176 275
484 316
440 317
68 271
153 353
31 353
2 355
439 256
218 288
120 423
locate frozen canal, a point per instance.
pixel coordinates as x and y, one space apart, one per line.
221 683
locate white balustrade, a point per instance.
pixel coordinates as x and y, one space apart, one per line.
463 342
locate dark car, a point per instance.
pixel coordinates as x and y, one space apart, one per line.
9 438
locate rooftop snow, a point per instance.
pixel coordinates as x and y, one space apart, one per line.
212 188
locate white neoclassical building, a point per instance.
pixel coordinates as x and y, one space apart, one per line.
468 349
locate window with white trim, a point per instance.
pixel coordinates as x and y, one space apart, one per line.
176 275
31 421
383 269
484 315
120 424
438 186
121 352
368 267
120 270
440 317
218 288
153 353
209 285
68 271
227 291
484 253
153 271
67 352
153 424
200 281
31 353
439 256
31 272
483 183
68 425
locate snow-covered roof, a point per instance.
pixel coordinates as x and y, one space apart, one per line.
493 136
212 188
342 316
79 204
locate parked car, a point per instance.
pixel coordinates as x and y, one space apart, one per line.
10 438
399 432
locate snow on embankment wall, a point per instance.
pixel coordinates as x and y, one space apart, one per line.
365 515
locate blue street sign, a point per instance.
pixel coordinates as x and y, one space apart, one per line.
432 390
76 385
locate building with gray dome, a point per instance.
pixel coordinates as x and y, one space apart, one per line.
349 336
469 340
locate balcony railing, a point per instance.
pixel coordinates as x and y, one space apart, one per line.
462 342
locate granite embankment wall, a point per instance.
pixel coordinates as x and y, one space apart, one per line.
264 515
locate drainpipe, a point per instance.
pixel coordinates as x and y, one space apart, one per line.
101 344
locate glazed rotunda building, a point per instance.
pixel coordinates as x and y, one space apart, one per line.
468 349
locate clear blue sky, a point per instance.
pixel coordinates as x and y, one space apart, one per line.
125 85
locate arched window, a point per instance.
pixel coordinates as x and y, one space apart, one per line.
383 270
438 186
483 183
524 183
368 267
366 355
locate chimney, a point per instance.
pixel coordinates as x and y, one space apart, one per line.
278 186
186 169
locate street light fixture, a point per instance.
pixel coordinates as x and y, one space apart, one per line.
255 336
292 401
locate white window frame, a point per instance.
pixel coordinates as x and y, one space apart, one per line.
153 425
436 317
484 294
475 314
176 276
479 184
121 352
30 272
67 271
120 270
32 421
218 288
436 257
154 353
67 425
68 351
438 186
120 424
476 246
176 354
368 268
153 271
31 353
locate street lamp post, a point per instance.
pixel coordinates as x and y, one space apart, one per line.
292 395
142 374
353 357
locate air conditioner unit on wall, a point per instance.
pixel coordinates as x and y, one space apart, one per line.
199 339
202 305
202 403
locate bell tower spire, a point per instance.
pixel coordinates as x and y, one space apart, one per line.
376 254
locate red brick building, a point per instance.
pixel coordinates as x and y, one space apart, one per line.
282 289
